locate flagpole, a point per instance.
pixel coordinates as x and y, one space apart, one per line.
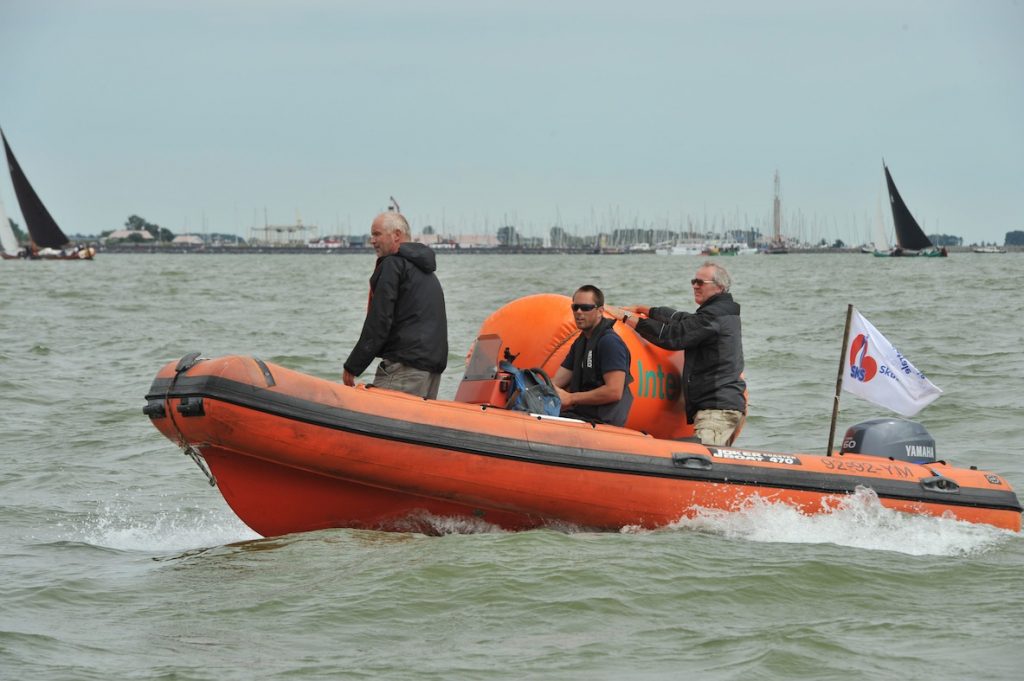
839 380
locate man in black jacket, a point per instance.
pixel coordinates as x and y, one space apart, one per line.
405 321
712 338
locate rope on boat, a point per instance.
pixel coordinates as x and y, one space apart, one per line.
184 364
198 458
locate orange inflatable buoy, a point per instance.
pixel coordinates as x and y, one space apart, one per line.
540 329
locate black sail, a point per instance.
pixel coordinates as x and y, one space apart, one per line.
41 227
909 234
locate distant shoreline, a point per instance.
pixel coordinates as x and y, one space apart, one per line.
500 250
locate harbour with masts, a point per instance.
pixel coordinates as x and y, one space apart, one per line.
721 235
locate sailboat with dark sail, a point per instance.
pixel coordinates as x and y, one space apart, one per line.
910 238
9 249
47 239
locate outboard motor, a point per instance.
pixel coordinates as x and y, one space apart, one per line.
901 439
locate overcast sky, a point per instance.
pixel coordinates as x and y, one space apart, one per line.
220 114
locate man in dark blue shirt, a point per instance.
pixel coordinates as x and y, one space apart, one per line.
593 381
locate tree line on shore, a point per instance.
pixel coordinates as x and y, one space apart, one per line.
509 237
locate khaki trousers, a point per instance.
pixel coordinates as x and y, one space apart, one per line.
716 426
404 378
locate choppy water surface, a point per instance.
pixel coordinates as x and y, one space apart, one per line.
119 561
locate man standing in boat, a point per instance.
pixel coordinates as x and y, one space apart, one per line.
593 380
713 387
405 324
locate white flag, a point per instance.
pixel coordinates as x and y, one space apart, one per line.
876 371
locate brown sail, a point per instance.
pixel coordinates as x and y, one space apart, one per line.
909 234
41 226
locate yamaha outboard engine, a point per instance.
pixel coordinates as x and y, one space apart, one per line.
901 439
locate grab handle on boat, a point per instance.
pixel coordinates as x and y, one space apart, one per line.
191 406
697 461
938 483
267 376
187 362
154 409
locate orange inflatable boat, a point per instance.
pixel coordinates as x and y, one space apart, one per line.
291 453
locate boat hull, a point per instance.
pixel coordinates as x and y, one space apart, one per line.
293 453
87 255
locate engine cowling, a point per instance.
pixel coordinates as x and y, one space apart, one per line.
900 439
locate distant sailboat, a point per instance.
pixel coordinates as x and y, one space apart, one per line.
688 248
8 242
910 238
48 241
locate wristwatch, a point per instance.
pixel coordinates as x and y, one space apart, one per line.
625 316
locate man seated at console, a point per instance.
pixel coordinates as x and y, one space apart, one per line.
593 381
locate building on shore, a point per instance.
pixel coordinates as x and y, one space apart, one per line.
460 241
138 235
284 235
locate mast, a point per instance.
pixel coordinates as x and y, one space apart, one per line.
777 213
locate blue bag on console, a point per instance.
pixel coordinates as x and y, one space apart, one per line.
531 390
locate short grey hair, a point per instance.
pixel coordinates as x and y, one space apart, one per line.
721 275
396 222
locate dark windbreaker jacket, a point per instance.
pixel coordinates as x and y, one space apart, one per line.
405 320
711 337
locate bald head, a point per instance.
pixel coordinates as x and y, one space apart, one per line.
388 232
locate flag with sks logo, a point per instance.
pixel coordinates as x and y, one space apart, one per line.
876 371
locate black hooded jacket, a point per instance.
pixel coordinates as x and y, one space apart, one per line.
712 339
405 320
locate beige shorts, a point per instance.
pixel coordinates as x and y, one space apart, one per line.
716 426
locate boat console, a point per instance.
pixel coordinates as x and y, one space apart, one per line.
484 383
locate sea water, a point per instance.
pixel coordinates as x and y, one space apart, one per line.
119 561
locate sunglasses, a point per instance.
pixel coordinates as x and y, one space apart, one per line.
586 307
701 282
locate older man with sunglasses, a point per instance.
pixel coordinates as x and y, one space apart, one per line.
711 336
593 380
